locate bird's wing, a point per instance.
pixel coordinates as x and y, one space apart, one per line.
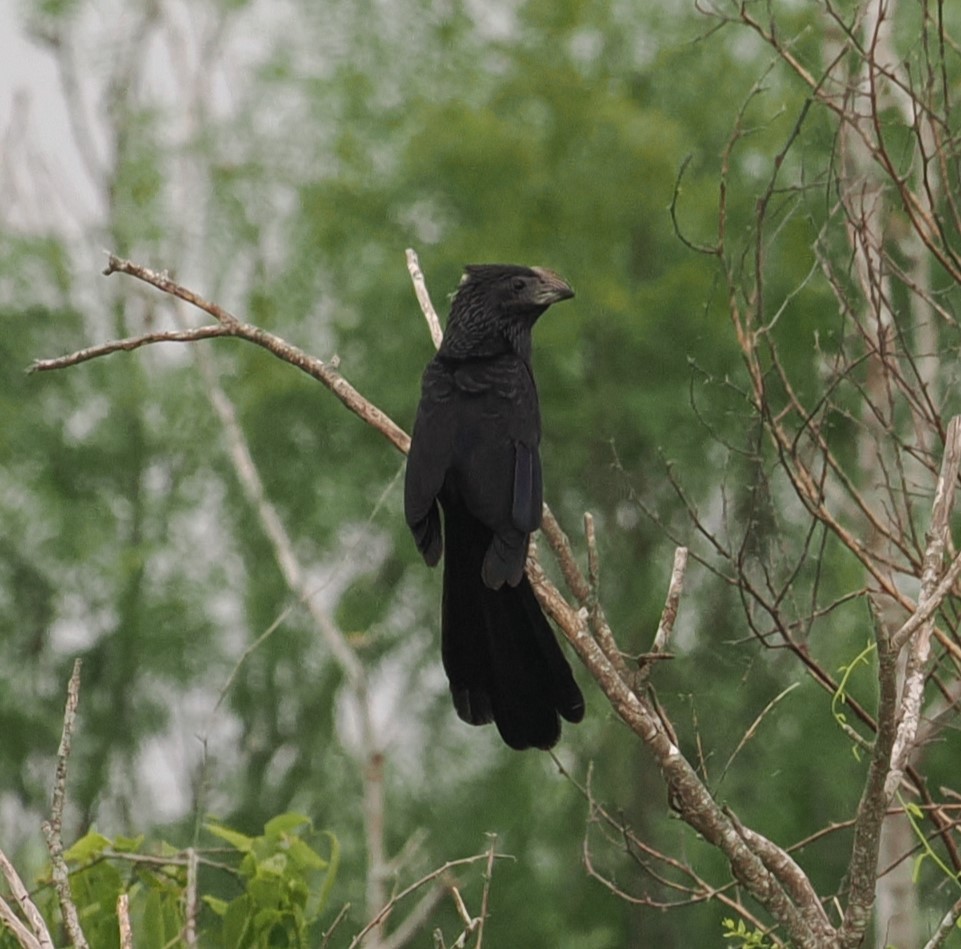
428 460
528 491
528 488
496 460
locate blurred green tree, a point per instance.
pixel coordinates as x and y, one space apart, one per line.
280 163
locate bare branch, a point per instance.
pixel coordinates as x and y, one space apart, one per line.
752 730
669 614
485 897
338 919
423 297
470 922
933 592
564 552
40 937
23 935
123 920
795 881
668 617
229 325
272 524
53 829
127 345
191 904
945 928
415 919
423 881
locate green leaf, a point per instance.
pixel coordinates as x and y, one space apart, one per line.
285 824
266 890
916 870
91 845
217 905
154 934
273 866
237 840
237 923
128 844
328 885
304 856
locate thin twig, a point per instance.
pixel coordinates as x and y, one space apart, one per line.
470 923
423 881
668 617
338 919
229 325
947 926
191 906
53 829
593 557
699 891
752 730
415 919
423 297
485 898
127 345
671 605
564 554
595 612
123 920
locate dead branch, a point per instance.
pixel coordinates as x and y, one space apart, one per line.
53 829
123 920
37 936
191 904
668 617
423 297
485 896
946 927
227 325
439 873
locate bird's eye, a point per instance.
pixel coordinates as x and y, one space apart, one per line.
518 283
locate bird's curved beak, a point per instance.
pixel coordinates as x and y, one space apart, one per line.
553 288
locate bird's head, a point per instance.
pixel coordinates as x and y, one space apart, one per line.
495 307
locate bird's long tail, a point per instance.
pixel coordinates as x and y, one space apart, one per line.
500 654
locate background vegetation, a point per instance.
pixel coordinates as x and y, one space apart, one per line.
279 159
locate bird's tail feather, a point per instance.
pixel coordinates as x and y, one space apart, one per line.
500 654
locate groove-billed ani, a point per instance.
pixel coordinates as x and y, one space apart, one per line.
475 449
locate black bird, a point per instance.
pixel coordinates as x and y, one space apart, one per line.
475 450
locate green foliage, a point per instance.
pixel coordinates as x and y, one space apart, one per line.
283 886
928 853
841 693
286 883
543 132
742 937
